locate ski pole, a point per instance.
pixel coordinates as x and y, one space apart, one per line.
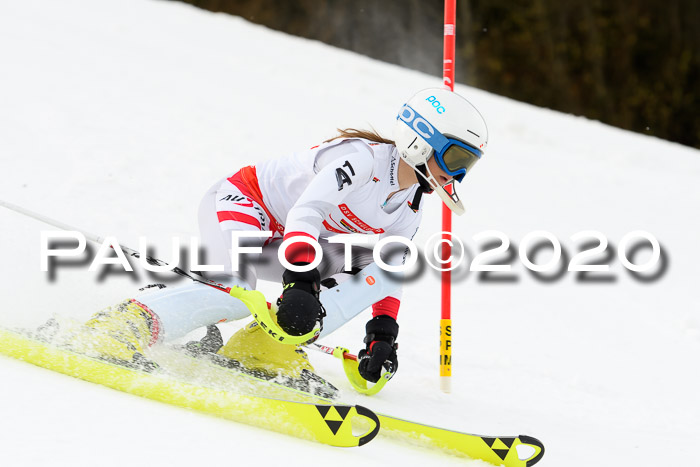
253 299
97 239
338 352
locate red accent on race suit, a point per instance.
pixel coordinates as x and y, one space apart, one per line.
238 217
246 180
357 221
387 306
330 228
299 252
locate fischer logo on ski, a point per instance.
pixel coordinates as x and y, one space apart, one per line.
500 446
332 414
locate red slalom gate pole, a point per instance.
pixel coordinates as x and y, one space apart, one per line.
448 78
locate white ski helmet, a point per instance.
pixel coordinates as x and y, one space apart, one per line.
437 122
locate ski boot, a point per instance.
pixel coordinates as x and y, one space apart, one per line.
119 334
256 351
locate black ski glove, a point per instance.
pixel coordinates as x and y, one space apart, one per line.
299 307
380 352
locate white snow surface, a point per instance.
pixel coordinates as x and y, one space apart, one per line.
116 116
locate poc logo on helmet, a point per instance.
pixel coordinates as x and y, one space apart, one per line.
419 124
436 103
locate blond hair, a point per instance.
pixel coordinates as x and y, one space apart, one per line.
371 135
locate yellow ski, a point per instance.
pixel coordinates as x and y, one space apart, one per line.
322 422
502 450
326 423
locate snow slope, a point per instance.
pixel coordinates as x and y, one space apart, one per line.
117 116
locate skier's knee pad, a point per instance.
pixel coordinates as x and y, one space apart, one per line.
298 313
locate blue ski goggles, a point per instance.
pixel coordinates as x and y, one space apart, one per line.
454 157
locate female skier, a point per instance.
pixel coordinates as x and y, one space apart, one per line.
355 183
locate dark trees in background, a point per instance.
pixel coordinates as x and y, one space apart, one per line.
634 64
